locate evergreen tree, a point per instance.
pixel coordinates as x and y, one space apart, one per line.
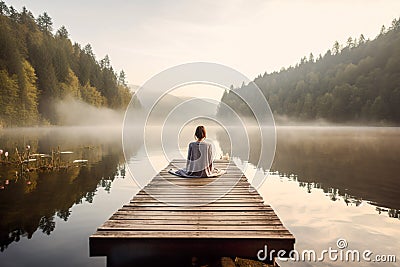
122 78
4 8
336 48
62 32
45 23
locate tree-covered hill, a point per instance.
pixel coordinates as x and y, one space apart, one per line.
39 67
358 81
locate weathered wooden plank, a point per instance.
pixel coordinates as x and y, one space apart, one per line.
198 200
217 184
124 225
199 196
228 173
228 176
193 234
194 190
214 196
193 193
197 220
215 214
198 189
208 207
202 204
201 184
115 219
187 221
166 207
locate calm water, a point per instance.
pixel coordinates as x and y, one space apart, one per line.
327 183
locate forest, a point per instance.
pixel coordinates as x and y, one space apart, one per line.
354 82
39 67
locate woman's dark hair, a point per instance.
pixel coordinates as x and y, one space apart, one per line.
200 132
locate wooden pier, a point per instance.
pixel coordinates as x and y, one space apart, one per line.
173 219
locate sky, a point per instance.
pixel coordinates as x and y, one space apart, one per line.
251 36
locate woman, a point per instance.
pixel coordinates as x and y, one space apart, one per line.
200 158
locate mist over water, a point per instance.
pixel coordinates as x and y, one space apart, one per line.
72 112
283 120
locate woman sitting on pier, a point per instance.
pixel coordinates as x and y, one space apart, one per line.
200 158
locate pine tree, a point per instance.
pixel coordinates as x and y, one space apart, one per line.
62 32
45 23
122 78
336 48
4 8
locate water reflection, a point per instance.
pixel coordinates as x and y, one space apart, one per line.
351 163
31 200
322 179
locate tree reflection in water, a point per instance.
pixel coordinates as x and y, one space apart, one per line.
355 164
32 200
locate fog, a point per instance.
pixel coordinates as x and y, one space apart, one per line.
283 120
72 112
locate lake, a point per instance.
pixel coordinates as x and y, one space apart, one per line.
326 183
